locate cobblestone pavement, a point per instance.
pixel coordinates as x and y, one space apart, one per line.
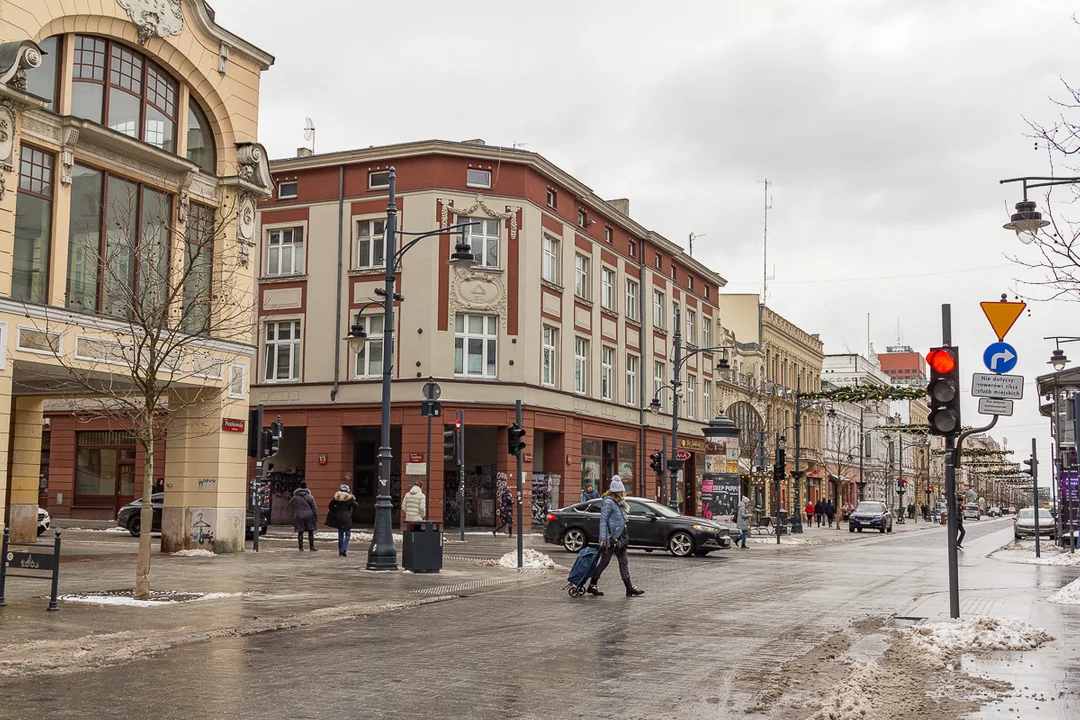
528 651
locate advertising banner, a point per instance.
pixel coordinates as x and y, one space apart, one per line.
720 484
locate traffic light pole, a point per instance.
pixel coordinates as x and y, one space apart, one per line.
461 473
951 456
673 497
796 473
778 475
256 501
663 465
520 514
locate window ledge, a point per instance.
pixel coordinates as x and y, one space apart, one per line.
583 301
275 279
633 321
660 330
484 268
368 272
551 285
610 313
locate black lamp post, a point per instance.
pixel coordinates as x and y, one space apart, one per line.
1026 222
382 554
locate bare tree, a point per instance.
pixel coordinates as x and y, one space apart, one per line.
159 289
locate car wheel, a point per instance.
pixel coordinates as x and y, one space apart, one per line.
135 526
851 528
681 544
882 530
889 529
1016 537
860 529
41 531
573 540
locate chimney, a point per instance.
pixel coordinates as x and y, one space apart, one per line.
474 141
621 204
302 152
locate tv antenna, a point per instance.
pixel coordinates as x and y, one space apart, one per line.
765 247
693 237
309 133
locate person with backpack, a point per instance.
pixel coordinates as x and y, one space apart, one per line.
341 513
305 516
614 516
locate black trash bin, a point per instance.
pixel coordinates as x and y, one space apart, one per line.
784 526
421 547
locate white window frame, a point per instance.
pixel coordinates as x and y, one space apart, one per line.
296 249
474 234
371 180
631 248
691 327
582 219
476 183
659 381
270 350
608 235
632 288
581 365
631 379
706 399
374 240
607 373
486 336
365 347
552 198
659 261
234 370
549 268
658 309
691 397
549 356
581 276
706 331
609 280
281 195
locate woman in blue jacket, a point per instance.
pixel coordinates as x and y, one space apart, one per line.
614 513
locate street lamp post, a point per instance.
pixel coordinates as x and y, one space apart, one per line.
382 554
862 454
1058 360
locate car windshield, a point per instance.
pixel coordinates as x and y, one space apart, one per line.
870 508
1029 514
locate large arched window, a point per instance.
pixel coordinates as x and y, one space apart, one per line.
200 139
120 88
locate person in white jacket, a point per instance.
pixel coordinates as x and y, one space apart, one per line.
414 504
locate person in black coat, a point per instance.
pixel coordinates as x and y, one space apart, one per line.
960 532
305 516
830 511
341 514
819 510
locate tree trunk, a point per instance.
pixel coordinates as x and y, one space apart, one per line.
146 521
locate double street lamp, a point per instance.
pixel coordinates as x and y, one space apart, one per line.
382 555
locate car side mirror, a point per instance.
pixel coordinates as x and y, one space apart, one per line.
653 516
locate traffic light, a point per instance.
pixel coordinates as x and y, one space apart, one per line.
272 438
452 443
1032 468
778 468
944 390
254 428
656 461
516 439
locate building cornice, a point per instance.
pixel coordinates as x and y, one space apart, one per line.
201 15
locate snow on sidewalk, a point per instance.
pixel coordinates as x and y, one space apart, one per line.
194 553
128 601
950 638
355 535
1068 595
530 559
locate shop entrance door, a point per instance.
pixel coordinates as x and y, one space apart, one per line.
610 465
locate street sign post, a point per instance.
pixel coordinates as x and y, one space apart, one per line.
994 406
1000 357
1004 387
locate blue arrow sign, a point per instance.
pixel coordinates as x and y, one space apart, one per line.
1000 357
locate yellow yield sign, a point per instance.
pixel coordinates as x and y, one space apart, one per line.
1002 315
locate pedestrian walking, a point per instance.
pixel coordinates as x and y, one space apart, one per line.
305 516
614 516
414 504
742 520
589 493
819 511
809 513
158 486
958 508
341 512
506 513
830 511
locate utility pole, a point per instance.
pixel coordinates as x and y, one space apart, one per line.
796 473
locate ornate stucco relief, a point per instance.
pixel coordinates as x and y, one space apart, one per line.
474 290
155 18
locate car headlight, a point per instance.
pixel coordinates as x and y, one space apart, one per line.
705 528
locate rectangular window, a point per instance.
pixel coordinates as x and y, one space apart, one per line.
370 244
631 299
483 238
691 327
43 80
581 276
285 252
581 365
691 397
607 373
658 385
287 190
369 358
632 249
582 220
706 331
607 289
33 227
378 180
658 309
549 357
478 178
607 235
476 344
706 400
282 350
552 198
690 282
198 270
659 262
550 265
84 239
631 379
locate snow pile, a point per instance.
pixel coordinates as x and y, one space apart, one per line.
952 637
105 530
531 559
193 553
1068 595
850 699
128 601
354 536
1057 559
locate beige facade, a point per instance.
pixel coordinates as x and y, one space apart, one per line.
134 133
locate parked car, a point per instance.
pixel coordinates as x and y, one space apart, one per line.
1024 523
994 512
130 517
972 512
44 521
651 526
1009 510
870 514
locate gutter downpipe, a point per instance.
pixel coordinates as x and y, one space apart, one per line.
337 305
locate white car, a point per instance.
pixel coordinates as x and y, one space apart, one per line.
43 521
972 512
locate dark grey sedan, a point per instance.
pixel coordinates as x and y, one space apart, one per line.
130 517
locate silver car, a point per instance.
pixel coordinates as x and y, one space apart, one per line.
1024 523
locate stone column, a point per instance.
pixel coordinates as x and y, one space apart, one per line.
25 468
205 477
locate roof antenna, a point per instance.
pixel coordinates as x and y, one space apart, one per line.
309 133
695 236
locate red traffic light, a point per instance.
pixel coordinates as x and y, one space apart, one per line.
941 360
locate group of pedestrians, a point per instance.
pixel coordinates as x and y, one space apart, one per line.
823 512
340 514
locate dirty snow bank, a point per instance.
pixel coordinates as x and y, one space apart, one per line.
531 559
127 601
355 535
952 637
194 553
1068 595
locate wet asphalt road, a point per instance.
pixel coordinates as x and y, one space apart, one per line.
531 652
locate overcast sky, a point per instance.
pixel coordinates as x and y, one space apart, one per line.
884 127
